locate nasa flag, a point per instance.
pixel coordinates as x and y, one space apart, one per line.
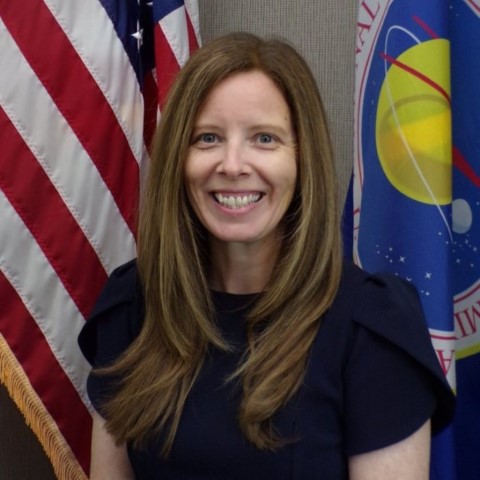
415 205
465 77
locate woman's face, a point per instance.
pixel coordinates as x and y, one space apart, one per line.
240 172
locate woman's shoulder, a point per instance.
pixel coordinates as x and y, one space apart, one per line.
381 310
381 303
371 295
117 315
386 304
122 286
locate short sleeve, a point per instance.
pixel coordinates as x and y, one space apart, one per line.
112 326
393 380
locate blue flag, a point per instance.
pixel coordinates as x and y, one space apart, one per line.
465 63
414 205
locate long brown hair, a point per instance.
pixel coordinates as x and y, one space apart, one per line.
160 367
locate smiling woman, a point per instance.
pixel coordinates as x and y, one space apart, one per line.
239 345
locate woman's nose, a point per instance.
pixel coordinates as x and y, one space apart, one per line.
232 163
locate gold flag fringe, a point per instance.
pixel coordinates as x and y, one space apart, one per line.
12 375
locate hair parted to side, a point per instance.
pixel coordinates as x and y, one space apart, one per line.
160 367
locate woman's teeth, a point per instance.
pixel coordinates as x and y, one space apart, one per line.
240 201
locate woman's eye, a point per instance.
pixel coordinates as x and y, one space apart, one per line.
207 138
265 138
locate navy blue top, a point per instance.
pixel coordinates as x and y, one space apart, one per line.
372 380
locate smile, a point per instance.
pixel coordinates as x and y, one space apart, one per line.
236 201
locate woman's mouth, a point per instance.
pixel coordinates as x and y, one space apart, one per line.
237 201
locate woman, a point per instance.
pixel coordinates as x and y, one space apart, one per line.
238 345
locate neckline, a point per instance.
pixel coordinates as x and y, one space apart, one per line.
227 302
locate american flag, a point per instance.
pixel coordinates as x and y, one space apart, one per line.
81 88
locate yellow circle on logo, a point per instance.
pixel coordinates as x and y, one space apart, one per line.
413 124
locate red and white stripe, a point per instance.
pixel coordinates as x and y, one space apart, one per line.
176 35
72 143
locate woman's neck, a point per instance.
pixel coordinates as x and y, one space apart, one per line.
241 267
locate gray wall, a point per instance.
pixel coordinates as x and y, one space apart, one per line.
324 32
